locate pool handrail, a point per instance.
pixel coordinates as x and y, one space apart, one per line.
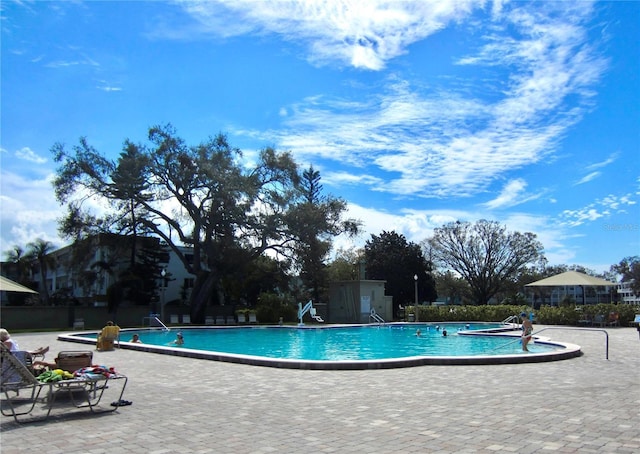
511 319
374 315
163 325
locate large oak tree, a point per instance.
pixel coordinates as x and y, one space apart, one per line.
200 196
485 254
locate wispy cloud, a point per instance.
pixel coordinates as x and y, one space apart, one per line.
610 160
345 179
359 34
593 172
587 178
600 208
71 63
450 140
511 195
28 154
104 86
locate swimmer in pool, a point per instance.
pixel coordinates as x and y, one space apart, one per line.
179 339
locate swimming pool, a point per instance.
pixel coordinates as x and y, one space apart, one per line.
346 346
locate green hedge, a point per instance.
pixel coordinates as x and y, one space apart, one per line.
546 315
271 307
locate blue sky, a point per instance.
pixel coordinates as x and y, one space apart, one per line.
416 113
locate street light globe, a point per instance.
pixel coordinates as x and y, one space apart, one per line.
415 277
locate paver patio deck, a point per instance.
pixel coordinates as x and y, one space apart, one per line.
585 404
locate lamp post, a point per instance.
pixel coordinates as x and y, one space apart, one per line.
415 283
163 273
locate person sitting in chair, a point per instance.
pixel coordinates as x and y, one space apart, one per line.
107 336
12 345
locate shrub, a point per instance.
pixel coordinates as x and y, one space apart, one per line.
567 314
271 307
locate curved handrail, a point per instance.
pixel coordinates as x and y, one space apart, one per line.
374 315
564 328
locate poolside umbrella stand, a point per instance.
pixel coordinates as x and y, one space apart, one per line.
7 285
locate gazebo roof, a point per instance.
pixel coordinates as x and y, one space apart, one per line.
571 278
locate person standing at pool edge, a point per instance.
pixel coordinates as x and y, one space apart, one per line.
527 329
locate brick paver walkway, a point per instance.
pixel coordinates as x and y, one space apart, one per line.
586 404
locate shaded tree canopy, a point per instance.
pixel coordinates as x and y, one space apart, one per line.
629 269
314 221
200 196
390 257
345 265
452 288
484 254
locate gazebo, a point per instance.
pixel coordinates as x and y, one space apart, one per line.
571 279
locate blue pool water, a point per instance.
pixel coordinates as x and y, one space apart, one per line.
342 343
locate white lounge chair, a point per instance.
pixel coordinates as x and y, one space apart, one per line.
84 391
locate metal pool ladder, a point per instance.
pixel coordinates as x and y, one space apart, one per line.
511 319
373 315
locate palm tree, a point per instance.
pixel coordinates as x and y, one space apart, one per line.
39 250
17 256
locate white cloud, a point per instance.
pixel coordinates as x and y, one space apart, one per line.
447 140
108 88
610 160
28 154
510 195
601 208
343 178
83 61
29 211
587 178
360 34
598 165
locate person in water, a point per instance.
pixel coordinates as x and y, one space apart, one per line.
179 339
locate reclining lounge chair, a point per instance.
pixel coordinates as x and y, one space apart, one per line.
84 391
